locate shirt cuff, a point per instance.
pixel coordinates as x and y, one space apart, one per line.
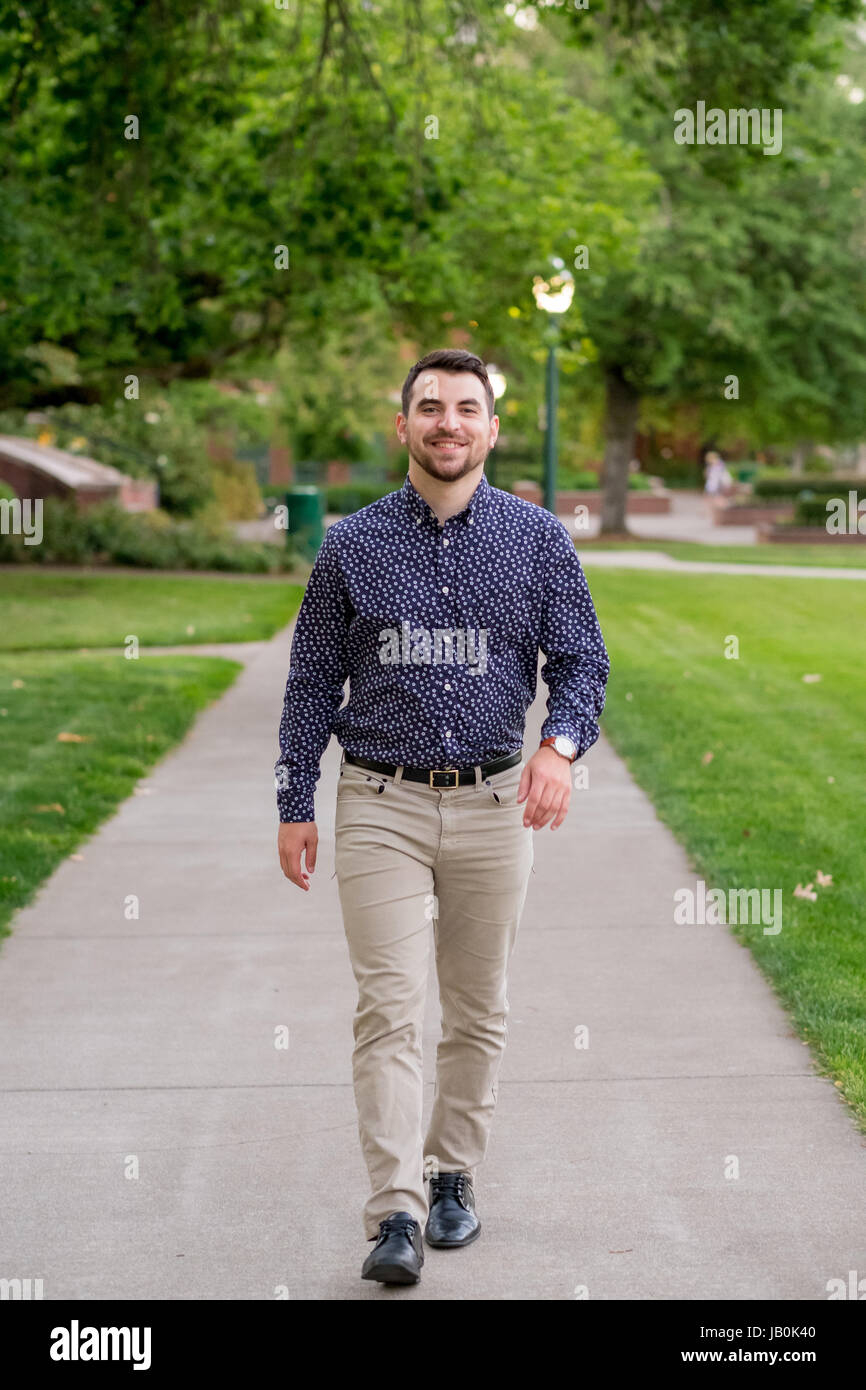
295 795
582 732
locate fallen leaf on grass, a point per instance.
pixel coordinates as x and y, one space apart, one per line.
810 680
707 758
54 806
74 738
17 685
823 879
801 892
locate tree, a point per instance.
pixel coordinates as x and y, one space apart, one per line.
187 185
751 266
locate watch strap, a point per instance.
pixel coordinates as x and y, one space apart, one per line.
552 739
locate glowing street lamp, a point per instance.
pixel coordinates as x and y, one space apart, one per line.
553 296
498 383
497 380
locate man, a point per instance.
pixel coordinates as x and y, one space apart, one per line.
434 602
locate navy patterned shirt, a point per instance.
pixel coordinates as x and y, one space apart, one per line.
437 629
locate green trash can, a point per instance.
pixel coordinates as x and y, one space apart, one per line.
306 518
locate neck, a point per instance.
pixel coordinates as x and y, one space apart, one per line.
444 497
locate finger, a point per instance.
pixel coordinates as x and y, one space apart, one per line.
542 801
566 801
532 804
296 873
525 783
552 811
312 851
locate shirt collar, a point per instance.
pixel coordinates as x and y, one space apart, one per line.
473 510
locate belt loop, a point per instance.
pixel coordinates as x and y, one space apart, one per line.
478 774
398 776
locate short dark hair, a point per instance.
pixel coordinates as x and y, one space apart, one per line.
450 360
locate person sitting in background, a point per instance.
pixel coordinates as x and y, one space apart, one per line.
717 478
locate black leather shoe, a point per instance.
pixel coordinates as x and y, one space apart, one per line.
452 1219
398 1254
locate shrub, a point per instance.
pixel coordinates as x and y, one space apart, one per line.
351 497
676 472
108 535
813 511
236 491
769 485
587 480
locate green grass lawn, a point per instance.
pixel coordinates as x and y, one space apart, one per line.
847 556
784 793
54 794
56 611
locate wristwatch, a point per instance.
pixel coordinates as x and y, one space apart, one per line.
561 744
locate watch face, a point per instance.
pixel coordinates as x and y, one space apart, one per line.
565 747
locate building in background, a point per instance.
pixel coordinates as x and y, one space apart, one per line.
38 470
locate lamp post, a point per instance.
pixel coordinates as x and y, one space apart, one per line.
554 296
498 383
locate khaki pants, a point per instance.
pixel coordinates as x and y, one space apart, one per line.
407 855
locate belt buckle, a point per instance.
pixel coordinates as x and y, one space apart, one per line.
447 772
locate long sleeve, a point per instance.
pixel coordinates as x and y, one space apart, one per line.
577 664
314 688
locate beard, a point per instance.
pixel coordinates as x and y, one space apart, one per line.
444 467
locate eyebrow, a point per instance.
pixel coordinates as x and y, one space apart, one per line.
434 400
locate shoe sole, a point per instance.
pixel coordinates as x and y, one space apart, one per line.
392 1274
454 1244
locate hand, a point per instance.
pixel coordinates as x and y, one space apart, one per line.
294 838
546 780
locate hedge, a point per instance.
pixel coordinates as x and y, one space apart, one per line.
821 484
813 511
106 534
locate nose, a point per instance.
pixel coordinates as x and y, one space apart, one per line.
451 422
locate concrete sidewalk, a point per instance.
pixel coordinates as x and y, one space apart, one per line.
658 560
150 1042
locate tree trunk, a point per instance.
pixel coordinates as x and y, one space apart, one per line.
621 410
801 451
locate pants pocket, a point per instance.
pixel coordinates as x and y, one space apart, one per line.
503 789
356 781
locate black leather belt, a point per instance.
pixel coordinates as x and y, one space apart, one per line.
460 776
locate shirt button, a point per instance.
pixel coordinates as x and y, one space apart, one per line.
417 521
445 542
444 588
470 521
447 733
447 685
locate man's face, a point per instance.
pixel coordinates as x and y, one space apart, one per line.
448 431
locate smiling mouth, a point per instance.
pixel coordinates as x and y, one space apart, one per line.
449 444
